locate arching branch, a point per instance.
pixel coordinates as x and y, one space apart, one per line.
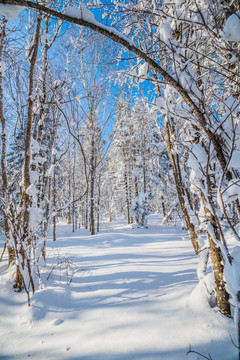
117 37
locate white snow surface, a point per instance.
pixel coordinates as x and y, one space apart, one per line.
82 12
235 159
231 31
122 294
165 32
143 71
10 11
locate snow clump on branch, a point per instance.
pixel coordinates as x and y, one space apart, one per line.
231 31
80 12
83 13
10 11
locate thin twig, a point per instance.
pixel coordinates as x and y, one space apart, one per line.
196 352
237 347
4 248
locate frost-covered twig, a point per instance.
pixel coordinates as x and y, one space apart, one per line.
196 352
70 271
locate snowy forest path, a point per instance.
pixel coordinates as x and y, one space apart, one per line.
121 294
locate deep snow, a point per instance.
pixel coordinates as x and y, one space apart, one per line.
121 294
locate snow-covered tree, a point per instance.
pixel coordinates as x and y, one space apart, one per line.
190 52
134 162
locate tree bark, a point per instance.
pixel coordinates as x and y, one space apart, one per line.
98 205
11 252
179 188
54 200
92 187
217 263
127 196
25 203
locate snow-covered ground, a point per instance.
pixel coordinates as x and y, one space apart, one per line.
122 294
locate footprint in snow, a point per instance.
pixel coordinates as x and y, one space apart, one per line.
57 322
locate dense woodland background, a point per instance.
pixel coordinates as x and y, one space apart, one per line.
122 109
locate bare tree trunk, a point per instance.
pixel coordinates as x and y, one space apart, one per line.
86 211
69 207
73 191
136 194
144 174
179 188
11 252
92 206
54 200
25 203
92 185
130 186
127 196
51 193
98 205
163 206
110 214
83 214
218 267
238 323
